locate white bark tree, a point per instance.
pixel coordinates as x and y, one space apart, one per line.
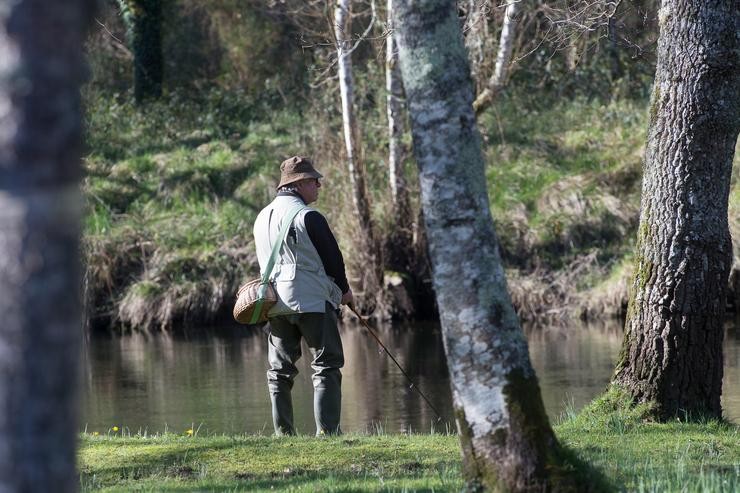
503 58
399 243
41 70
672 355
476 34
506 438
394 105
343 38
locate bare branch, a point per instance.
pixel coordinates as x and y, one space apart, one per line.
367 30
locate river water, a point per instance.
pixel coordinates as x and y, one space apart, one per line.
214 380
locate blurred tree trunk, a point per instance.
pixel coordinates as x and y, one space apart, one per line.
144 23
503 58
41 70
506 438
672 353
366 236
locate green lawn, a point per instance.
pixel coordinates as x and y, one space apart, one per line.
259 463
632 456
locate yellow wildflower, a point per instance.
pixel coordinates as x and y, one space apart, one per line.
189 432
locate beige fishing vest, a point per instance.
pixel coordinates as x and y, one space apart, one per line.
301 283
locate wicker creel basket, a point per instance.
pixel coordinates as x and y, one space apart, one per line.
248 301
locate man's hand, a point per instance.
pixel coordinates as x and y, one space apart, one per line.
348 298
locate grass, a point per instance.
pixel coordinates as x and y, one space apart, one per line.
566 177
656 457
639 455
173 188
259 463
172 191
631 454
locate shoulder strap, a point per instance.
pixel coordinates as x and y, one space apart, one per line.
287 221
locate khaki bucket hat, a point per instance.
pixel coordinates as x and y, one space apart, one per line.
296 168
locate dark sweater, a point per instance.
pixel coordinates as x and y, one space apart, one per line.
325 243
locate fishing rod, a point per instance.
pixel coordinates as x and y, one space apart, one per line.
413 385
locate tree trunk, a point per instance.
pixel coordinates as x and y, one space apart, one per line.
144 24
343 35
615 64
394 100
41 67
503 59
506 437
572 54
147 47
476 34
399 241
672 353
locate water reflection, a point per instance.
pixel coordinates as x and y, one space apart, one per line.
573 363
216 379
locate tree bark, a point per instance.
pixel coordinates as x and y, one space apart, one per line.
476 35
615 64
343 37
41 67
394 105
672 353
399 243
503 58
506 438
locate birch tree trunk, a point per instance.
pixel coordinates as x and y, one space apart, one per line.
41 67
394 104
503 58
400 241
343 37
506 438
476 34
672 353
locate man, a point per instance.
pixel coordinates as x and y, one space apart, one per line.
311 283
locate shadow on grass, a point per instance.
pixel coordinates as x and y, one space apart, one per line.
587 477
174 464
174 467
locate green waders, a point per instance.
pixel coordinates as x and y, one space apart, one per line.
284 348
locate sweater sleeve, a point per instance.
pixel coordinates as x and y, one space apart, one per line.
326 245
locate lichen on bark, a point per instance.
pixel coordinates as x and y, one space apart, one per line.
499 412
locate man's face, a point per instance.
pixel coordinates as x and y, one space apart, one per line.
309 189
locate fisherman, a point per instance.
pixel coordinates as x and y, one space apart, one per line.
311 283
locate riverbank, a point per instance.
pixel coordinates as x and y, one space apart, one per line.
173 188
627 455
